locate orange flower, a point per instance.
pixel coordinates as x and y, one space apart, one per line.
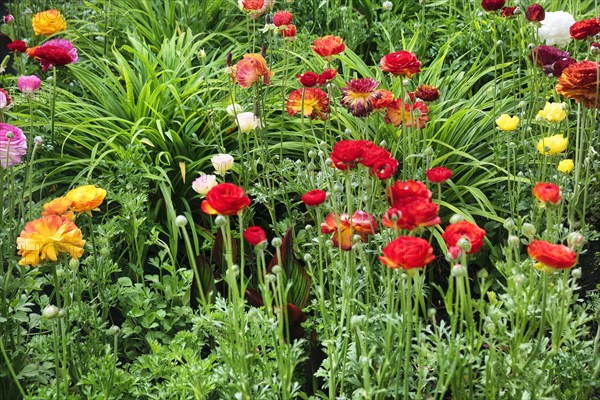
547 193
580 81
316 103
343 228
31 51
251 70
59 206
48 23
45 238
86 198
328 46
254 8
384 99
414 115
551 257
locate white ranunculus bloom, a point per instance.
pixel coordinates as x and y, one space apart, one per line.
222 163
555 28
247 122
204 183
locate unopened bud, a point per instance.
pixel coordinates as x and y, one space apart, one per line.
312 154
202 54
458 270
357 320
10 135
73 264
307 258
38 140
276 269
519 280
276 242
576 273
453 254
113 330
431 312
464 243
429 151
513 240
509 224
356 239
50 312
338 187
456 218
528 230
220 220
482 274
575 240
181 221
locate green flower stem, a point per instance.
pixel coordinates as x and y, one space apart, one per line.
8 363
53 106
192 259
407 315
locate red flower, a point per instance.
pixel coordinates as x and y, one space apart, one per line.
358 96
492 5
308 79
374 154
547 193
454 232
416 213
282 18
316 103
551 257
226 199
586 28
384 99
252 69
402 193
414 115
254 8
343 228
289 32
402 63
56 52
314 197
427 93
580 81
407 252
327 75
385 168
508 12
328 46
535 13
552 59
438 174
255 235
18 46
561 65
347 153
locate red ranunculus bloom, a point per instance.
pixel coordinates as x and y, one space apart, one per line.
412 115
343 228
402 193
314 197
255 235
18 46
327 75
374 154
407 252
254 8
583 29
427 93
551 59
384 99
56 52
289 32
438 174
508 12
535 13
400 63
547 193
417 213
316 103
282 18
492 5
252 69
358 96
580 81
328 46
561 65
385 168
226 199
454 232
551 257
308 79
347 153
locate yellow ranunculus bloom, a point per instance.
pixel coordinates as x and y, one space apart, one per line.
566 166
86 198
552 112
553 145
48 22
507 123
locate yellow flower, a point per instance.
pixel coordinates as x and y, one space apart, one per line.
86 198
507 123
566 166
48 23
45 238
552 112
553 145
59 206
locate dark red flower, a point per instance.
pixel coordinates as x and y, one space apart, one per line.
403 63
327 75
535 13
438 174
56 52
583 29
561 65
508 12
551 257
492 5
314 197
427 93
374 154
18 46
358 96
226 199
454 232
547 193
282 18
407 252
347 153
552 59
308 79
385 168
255 235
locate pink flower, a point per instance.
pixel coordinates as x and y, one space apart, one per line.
55 52
4 100
29 83
13 145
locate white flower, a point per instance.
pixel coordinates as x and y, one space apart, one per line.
247 122
204 183
387 5
555 28
234 109
222 163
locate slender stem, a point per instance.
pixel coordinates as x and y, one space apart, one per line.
10 369
53 105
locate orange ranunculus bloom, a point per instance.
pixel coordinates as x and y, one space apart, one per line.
45 238
252 69
343 228
403 63
547 193
86 198
581 81
48 23
384 99
316 103
551 257
328 46
412 115
418 213
454 232
226 199
407 252
59 206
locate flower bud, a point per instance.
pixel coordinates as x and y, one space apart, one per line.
113 330
307 258
357 320
270 278
73 264
406 82
312 154
576 273
456 218
105 252
61 313
575 240
528 230
464 243
181 221
482 274
50 312
308 227
458 270
338 187
235 269
276 269
453 254
10 135
38 140
276 242
321 154
347 131
509 224
220 220
429 151
387 5
431 312
513 241
519 280
356 239
202 54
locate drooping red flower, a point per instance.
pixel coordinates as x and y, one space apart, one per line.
17 46
347 153
551 257
405 192
400 63
56 52
226 199
581 30
547 193
327 75
343 228
316 103
508 12
282 18
492 5
427 93
408 253
328 46
358 96
438 174
314 197
252 69
412 115
255 235
308 79
535 13
454 232
580 81
384 100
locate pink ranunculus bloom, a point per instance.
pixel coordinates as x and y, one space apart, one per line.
13 145
29 83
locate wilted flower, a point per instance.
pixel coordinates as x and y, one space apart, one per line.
552 145
13 145
412 115
328 46
48 23
580 81
344 228
566 166
204 183
56 52
86 198
551 59
401 63
316 103
555 28
427 93
222 163
552 112
508 12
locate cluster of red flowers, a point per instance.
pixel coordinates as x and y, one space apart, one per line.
534 13
552 59
349 153
283 20
310 79
343 228
410 206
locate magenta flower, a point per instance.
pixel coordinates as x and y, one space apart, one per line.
55 52
29 83
13 145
